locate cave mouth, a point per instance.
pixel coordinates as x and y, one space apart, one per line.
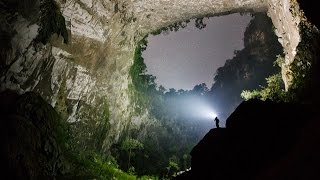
180 112
190 55
187 57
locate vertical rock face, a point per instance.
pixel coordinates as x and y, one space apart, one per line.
284 15
87 79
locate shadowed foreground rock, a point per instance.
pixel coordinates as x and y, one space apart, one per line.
30 145
262 140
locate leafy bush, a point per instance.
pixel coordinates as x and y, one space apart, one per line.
91 165
274 89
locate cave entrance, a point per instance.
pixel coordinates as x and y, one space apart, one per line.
179 99
217 56
191 55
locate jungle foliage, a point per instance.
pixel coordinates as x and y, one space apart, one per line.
92 163
172 137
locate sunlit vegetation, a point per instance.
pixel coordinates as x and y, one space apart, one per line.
274 89
94 166
302 72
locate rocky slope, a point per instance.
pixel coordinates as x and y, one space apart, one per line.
87 79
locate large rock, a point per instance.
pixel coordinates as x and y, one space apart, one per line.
262 140
30 144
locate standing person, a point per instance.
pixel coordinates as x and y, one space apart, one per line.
217 122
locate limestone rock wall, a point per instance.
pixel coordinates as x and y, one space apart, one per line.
285 17
87 79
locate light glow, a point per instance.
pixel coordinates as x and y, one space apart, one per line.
209 114
212 115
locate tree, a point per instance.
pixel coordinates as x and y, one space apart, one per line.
181 91
199 23
171 92
161 89
274 89
200 89
173 165
129 145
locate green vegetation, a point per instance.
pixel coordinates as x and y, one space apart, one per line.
129 145
304 67
92 164
173 135
142 83
274 89
303 72
173 165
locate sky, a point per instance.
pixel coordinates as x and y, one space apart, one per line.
191 56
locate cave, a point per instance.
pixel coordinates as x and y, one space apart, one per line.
77 56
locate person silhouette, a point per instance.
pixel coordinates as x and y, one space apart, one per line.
217 122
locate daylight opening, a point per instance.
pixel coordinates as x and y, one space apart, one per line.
193 72
222 56
191 56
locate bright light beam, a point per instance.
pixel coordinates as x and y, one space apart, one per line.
212 115
197 109
208 113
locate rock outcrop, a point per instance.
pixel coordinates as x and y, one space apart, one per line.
31 146
262 140
87 80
